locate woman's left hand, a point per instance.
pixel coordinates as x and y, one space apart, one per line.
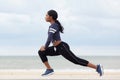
42 48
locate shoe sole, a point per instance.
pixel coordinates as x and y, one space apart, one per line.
102 70
48 74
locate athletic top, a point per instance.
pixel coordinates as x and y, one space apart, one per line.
53 34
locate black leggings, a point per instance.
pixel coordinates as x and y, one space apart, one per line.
64 50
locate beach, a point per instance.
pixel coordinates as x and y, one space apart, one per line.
35 74
31 68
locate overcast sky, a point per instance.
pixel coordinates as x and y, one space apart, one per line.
92 27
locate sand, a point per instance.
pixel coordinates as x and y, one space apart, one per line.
35 74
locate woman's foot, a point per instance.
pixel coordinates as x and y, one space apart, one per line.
100 70
48 72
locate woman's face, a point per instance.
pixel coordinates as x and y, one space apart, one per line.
48 18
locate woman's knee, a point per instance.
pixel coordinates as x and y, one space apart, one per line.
40 52
83 62
42 55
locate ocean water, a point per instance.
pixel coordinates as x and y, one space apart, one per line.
57 62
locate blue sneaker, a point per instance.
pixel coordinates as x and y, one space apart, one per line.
48 72
100 70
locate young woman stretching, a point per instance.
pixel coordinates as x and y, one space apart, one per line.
62 48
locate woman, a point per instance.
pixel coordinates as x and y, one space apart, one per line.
62 48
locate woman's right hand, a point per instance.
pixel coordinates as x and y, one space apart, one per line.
42 48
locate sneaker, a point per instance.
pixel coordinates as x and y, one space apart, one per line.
99 69
48 72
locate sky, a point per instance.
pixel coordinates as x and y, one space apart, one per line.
91 27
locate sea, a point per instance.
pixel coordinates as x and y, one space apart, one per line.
57 62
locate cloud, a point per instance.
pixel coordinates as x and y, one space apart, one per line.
12 17
86 22
12 23
96 50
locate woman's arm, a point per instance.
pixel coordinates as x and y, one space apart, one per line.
49 39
